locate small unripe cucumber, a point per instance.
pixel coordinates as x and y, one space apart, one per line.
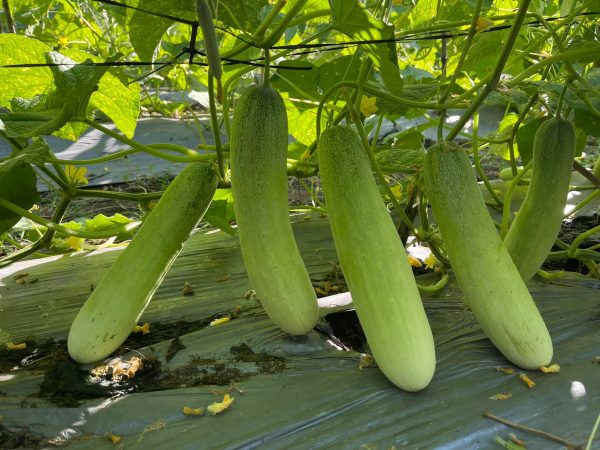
374 263
491 284
258 152
534 230
109 315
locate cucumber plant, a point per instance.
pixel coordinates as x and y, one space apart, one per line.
492 286
258 152
123 293
374 262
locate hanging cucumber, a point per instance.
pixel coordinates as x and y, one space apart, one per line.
374 263
123 293
491 283
258 152
534 230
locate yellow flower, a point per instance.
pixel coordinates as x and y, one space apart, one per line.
414 261
430 261
63 41
367 105
144 329
76 175
219 407
74 242
114 438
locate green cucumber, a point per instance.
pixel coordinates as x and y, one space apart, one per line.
123 293
375 263
538 221
258 152
491 283
211 44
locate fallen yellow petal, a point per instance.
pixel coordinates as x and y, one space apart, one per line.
501 396
366 361
220 321
506 370
219 407
11 346
553 368
414 262
114 438
144 329
188 411
525 379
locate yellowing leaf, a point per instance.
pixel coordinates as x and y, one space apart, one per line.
113 438
76 175
553 368
414 262
219 407
506 370
144 329
188 411
525 379
368 106
483 23
501 396
11 346
219 321
74 242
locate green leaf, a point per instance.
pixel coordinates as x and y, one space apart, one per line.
505 130
115 97
17 185
353 19
25 81
336 70
220 212
38 152
241 15
101 222
525 136
301 84
146 30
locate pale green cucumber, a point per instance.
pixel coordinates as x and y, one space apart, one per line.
110 313
258 152
374 263
538 221
492 286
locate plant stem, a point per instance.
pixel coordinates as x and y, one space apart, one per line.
586 173
215 125
280 28
477 162
365 141
507 199
541 433
495 77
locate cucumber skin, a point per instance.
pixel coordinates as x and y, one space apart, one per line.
123 293
534 230
492 286
258 152
374 263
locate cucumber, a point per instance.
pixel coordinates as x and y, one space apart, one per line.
110 313
506 174
538 221
211 44
375 263
491 283
258 152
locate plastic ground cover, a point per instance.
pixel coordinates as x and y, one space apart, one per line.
289 392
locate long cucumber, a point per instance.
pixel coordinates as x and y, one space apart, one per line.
374 263
492 285
534 230
258 151
123 293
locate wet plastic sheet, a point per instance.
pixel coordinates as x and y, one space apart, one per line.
321 399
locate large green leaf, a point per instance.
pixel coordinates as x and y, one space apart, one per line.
17 185
301 83
243 15
336 70
353 19
24 81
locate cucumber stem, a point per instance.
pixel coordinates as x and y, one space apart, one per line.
508 197
215 125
